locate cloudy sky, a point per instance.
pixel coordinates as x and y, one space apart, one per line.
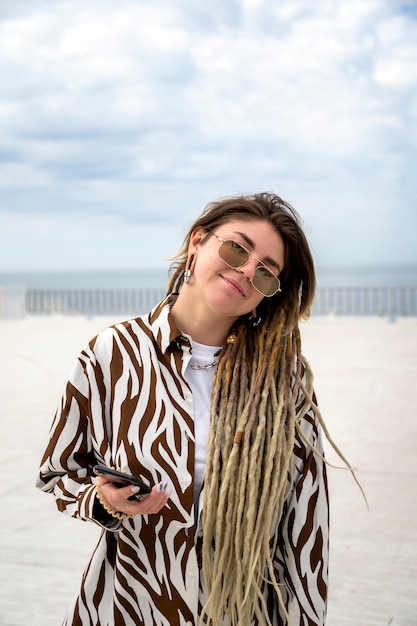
120 120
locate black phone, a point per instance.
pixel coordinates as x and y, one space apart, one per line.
120 479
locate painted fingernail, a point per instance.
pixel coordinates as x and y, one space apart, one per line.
135 489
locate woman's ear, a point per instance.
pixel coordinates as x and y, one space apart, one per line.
196 238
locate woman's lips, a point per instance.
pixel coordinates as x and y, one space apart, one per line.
234 284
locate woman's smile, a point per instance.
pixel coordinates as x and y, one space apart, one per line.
234 285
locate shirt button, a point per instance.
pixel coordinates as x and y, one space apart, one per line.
191 574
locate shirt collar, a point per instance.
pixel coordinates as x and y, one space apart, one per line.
163 327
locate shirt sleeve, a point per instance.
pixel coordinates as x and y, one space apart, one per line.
67 464
301 558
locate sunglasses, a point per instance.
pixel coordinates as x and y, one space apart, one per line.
235 255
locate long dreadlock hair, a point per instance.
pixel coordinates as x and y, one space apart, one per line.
254 418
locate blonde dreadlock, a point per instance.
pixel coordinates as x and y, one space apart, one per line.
254 418
246 475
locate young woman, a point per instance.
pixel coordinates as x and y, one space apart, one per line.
209 400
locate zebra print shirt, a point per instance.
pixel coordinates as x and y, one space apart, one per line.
127 405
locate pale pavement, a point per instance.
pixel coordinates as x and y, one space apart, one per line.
365 371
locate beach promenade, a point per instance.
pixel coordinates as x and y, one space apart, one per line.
365 372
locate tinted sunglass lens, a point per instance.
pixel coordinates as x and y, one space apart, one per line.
233 254
265 281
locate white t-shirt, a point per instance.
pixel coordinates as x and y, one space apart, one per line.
201 383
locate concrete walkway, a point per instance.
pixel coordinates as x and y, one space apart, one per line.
366 372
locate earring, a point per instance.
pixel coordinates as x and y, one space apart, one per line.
255 320
187 276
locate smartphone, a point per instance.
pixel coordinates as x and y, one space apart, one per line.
120 479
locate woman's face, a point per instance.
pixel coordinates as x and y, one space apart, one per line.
227 291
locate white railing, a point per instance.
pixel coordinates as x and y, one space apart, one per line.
381 301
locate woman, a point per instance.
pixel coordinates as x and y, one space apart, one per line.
208 399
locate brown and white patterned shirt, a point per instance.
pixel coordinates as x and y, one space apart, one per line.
127 405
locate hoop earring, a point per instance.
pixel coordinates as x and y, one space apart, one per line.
255 320
187 276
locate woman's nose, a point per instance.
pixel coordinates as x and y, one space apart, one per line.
249 268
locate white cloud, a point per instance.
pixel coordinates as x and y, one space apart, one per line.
141 112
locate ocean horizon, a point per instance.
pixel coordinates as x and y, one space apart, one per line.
157 278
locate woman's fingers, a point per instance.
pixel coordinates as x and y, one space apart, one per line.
119 498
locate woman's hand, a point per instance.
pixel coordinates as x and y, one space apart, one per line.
118 498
